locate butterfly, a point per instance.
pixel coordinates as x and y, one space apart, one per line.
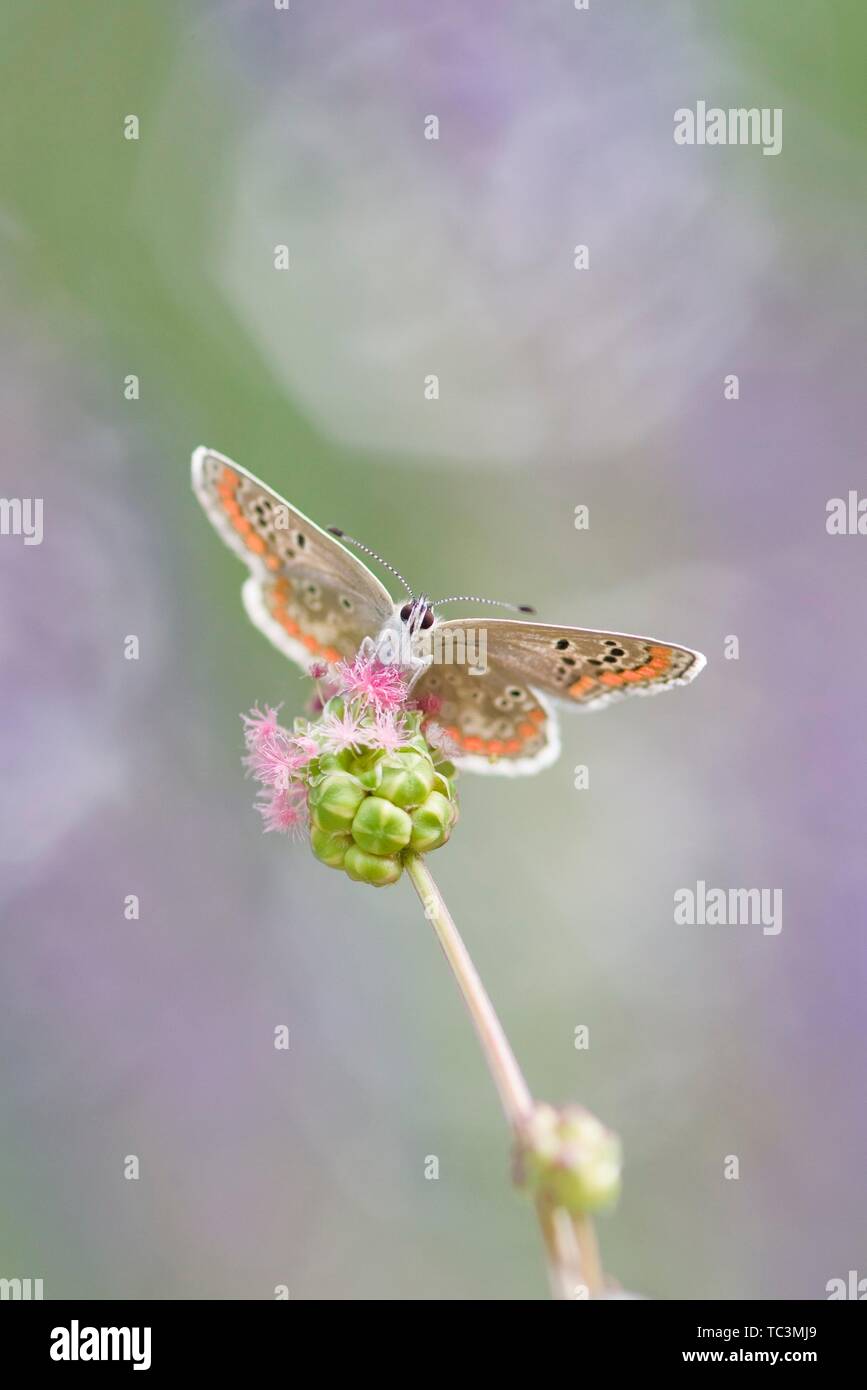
317 601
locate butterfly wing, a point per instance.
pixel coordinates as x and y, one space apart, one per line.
525 661
493 723
306 592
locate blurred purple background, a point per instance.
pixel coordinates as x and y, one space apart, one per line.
558 387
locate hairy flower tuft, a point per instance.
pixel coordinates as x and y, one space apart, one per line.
284 809
260 724
368 679
341 730
388 731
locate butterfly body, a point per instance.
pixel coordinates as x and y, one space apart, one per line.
486 681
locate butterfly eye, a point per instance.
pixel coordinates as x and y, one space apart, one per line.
427 620
405 612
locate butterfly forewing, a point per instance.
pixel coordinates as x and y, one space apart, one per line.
583 667
308 594
499 721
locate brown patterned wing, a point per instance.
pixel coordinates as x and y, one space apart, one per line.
307 593
586 669
494 723
500 721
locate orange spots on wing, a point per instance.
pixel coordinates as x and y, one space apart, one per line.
660 659
513 745
272 562
474 745
581 687
537 716
453 732
229 478
527 730
496 747
610 678
277 605
256 544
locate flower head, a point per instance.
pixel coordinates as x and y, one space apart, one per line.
438 738
370 680
387 732
341 729
284 809
428 704
570 1157
360 775
274 761
259 724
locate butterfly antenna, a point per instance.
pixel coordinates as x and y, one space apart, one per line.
341 535
474 598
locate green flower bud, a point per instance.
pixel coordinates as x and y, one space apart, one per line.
334 801
330 847
407 778
368 768
431 823
570 1157
412 723
443 785
335 762
380 827
379 870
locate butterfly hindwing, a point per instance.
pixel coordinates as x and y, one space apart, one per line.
494 722
309 595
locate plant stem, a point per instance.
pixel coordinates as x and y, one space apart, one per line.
562 1249
591 1262
513 1090
570 1245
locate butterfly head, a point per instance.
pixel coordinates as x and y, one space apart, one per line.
416 615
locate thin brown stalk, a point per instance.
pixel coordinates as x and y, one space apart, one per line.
571 1249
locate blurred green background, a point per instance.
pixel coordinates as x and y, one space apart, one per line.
558 388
